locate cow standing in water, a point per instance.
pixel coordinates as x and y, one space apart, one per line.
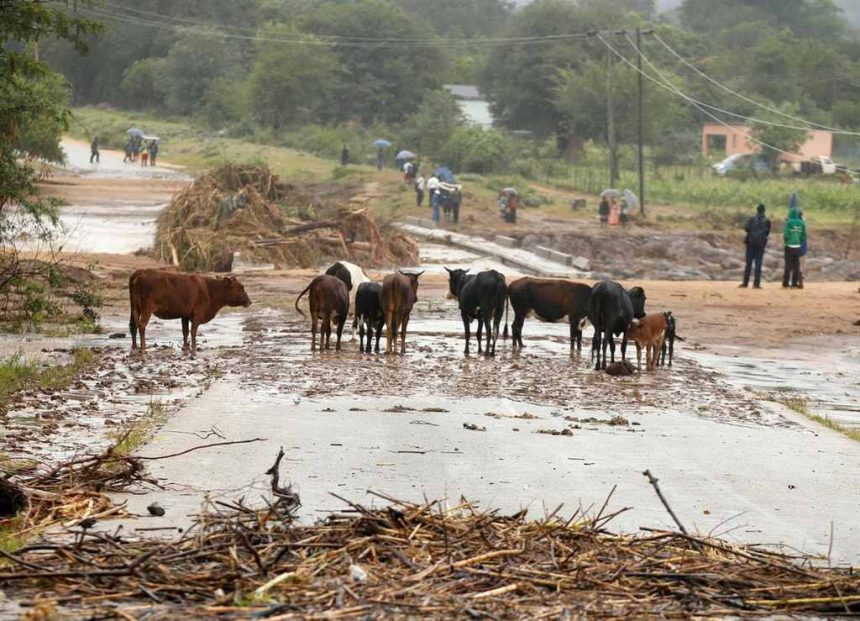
551 300
368 313
193 298
610 311
481 296
397 297
329 302
353 277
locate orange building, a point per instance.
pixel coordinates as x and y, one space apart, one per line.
719 139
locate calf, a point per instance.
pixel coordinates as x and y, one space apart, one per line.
669 341
610 311
352 276
397 297
329 302
482 297
550 300
368 311
192 298
649 333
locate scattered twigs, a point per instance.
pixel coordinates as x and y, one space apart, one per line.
203 446
654 482
288 502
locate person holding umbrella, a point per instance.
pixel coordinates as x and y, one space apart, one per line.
381 144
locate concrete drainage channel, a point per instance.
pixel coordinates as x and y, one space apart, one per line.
540 261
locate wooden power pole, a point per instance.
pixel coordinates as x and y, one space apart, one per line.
641 139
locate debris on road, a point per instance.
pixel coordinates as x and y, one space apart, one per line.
620 367
473 427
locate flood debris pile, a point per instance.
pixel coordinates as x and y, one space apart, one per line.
247 209
409 560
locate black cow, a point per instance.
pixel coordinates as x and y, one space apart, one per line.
669 341
368 312
610 311
551 300
482 297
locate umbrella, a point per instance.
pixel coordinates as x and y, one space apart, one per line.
147 137
610 193
445 174
510 191
405 155
631 199
382 143
135 131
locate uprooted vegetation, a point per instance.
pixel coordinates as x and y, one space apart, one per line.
431 560
247 209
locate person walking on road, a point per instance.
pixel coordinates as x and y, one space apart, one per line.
419 190
153 152
94 150
380 158
758 230
344 155
794 238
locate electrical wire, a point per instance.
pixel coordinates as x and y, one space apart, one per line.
741 95
665 84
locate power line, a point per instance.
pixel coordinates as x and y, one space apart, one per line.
203 28
744 97
665 84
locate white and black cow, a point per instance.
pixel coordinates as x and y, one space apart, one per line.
352 276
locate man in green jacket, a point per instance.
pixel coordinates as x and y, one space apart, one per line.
794 237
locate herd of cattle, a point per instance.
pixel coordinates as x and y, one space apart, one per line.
485 296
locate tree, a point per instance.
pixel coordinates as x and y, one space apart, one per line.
290 82
784 139
460 18
807 18
476 149
429 129
375 82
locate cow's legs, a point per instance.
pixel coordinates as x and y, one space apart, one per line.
314 320
361 324
467 321
142 322
488 329
497 321
639 357
389 331
517 328
623 347
326 328
671 350
185 322
479 332
403 334
595 348
378 334
341 322
194 326
611 339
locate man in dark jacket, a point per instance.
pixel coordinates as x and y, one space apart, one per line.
758 229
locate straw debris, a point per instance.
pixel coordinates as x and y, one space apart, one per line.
247 209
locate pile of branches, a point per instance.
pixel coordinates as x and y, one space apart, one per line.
246 209
409 560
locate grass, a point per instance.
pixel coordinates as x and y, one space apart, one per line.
10 536
185 144
17 374
133 437
800 405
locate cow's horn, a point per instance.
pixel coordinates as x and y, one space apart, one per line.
447 270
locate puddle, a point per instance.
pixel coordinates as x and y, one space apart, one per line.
826 371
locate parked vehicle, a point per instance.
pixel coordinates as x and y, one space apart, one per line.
738 162
818 165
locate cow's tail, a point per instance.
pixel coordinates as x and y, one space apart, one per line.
507 304
134 312
299 298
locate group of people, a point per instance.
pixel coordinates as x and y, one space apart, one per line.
795 247
444 198
613 212
138 148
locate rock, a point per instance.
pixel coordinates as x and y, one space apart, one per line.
117 335
155 509
357 573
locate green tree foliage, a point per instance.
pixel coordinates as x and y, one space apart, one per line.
290 83
460 18
429 129
375 82
476 149
807 18
33 112
783 138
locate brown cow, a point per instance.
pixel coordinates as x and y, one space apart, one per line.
648 332
329 301
397 296
193 298
551 300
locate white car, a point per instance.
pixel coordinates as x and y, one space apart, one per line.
738 161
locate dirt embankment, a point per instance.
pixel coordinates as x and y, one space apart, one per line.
665 255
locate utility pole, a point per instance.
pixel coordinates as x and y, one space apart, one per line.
641 91
610 124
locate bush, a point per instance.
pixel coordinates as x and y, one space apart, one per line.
475 149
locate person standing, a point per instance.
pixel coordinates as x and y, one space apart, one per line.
344 155
758 230
432 188
153 152
94 150
419 190
794 237
603 211
380 158
129 149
